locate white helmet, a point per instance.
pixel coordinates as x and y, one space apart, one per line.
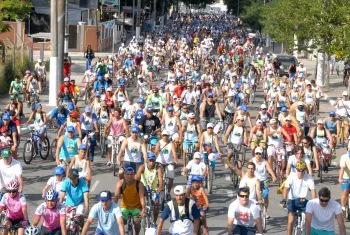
31 230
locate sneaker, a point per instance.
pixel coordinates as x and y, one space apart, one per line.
109 163
267 216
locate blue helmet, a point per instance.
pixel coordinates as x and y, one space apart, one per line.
151 156
332 113
141 101
59 170
244 107
284 109
51 195
196 178
135 129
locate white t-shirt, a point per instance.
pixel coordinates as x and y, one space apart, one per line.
243 215
292 161
9 172
128 108
196 169
323 217
54 184
345 163
251 183
299 187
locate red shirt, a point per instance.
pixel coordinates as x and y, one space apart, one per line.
291 130
178 90
66 69
70 87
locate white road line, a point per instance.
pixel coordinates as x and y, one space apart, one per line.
227 177
94 185
229 193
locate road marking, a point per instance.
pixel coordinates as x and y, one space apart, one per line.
94 185
227 177
230 193
332 102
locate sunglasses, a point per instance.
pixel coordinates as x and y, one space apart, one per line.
324 200
244 196
258 153
300 170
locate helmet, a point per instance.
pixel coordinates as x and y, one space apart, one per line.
12 185
59 170
197 178
31 230
51 195
300 165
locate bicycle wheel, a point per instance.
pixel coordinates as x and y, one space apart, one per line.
114 160
28 151
320 170
297 231
235 178
210 180
102 145
263 216
53 149
45 148
243 154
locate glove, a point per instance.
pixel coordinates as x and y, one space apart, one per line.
25 223
283 203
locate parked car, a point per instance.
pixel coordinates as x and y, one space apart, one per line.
286 61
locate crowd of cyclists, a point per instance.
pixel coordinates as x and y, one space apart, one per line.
177 98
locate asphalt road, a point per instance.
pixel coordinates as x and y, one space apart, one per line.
38 172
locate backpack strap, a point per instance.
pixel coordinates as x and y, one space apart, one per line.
176 210
124 186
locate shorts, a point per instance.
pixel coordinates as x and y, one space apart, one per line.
134 212
171 170
134 165
257 142
17 223
79 209
293 205
46 231
186 143
243 230
174 136
110 140
271 151
321 232
345 185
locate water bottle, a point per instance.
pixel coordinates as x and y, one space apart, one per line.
148 189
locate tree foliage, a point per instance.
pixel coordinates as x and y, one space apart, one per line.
198 3
13 10
252 15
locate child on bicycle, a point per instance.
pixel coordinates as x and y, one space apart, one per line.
16 208
198 194
196 167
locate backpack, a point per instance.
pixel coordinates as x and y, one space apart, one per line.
124 186
177 214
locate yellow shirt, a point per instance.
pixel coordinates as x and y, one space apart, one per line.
130 199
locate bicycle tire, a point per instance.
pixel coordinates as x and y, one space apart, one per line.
297 231
243 154
53 149
235 178
114 160
320 170
210 180
130 230
28 152
264 219
45 148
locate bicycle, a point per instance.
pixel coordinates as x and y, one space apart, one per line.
73 228
165 185
36 145
102 140
149 219
87 140
211 171
116 144
300 222
53 149
236 149
129 225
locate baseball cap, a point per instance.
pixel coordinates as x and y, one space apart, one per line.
300 103
151 156
332 113
83 147
97 94
6 153
70 129
58 170
129 169
6 116
170 109
73 173
197 155
258 122
149 107
191 115
210 94
165 132
135 129
283 109
210 125
273 121
105 196
240 117
345 93
66 79
244 107
320 121
141 101
109 89
287 118
87 109
38 105
179 190
263 106
258 150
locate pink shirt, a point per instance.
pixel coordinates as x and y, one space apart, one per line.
51 217
117 127
13 206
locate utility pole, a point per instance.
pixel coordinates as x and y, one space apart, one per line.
237 8
61 35
154 14
138 19
66 30
133 16
53 58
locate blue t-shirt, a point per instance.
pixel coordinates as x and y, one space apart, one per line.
107 220
74 195
60 117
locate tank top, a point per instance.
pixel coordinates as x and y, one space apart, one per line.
208 140
138 115
81 165
209 111
249 182
309 97
87 123
69 148
308 152
150 177
331 126
282 100
276 139
165 153
38 118
300 116
120 96
170 125
260 169
191 132
230 107
96 106
264 117
293 96
198 196
117 127
130 199
236 136
104 116
133 152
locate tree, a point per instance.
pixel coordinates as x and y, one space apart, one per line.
252 15
199 3
13 10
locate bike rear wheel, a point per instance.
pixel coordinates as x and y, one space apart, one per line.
53 149
235 178
28 151
114 161
45 148
264 219
320 170
210 180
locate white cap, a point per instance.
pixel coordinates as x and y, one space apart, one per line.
295 85
40 60
139 76
258 122
267 54
106 76
66 79
301 63
287 118
240 117
197 155
269 72
198 83
345 93
273 121
263 106
179 190
109 89
210 125
191 115
258 150
320 121
300 103
165 132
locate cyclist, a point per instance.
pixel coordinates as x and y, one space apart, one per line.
243 215
132 194
139 111
242 111
185 222
82 163
152 178
209 142
263 115
15 205
320 214
10 170
132 152
55 182
343 112
60 114
208 109
195 167
167 157
89 123
190 131
73 121
75 193
198 194
294 159
291 130
296 189
53 214
331 126
171 124
17 91
344 179
39 118
150 123
108 215
67 146
236 134
40 72
310 151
